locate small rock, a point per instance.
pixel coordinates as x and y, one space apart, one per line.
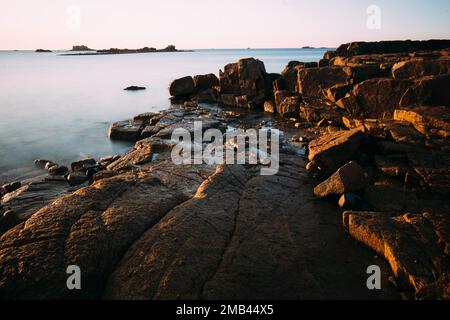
76 178
42 163
10 187
82 165
191 104
269 107
349 178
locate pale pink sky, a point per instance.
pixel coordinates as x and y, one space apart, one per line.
52 24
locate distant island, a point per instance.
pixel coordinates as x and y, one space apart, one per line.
170 48
43 50
81 48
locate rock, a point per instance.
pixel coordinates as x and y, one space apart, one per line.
383 47
428 120
228 100
312 82
48 165
385 196
289 76
83 165
207 95
182 87
323 63
31 197
419 67
8 220
42 50
149 131
339 91
359 73
332 151
125 130
76 178
57 170
432 90
415 245
10 187
280 96
290 107
42 163
207 81
146 117
350 201
349 178
105 161
135 88
378 97
269 107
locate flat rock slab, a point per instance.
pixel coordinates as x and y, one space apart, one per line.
417 246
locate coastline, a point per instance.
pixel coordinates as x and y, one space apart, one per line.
338 122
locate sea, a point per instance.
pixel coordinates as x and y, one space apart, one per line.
59 107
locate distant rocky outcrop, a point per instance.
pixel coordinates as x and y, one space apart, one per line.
43 50
373 123
81 48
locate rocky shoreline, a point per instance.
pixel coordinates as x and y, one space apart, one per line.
364 156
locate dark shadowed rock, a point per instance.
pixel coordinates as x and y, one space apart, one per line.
339 91
417 247
427 120
290 107
125 130
76 178
206 81
349 178
312 82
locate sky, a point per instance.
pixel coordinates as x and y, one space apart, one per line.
205 24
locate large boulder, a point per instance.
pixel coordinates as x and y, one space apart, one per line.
380 96
431 90
349 178
419 67
289 76
330 152
313 81
182 87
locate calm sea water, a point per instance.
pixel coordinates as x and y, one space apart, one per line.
59 107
